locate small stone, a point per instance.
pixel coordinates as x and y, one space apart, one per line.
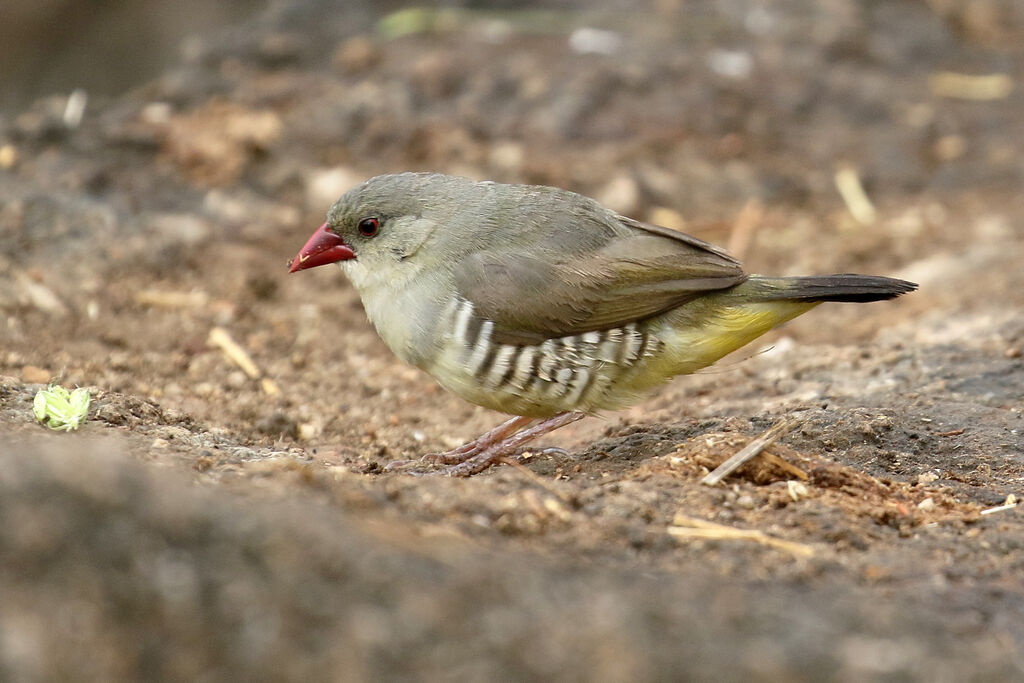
8 156
926 505
736 64
746 502
1013 352
325 185
160 443
309 430
506 156
156 113
355 55
796 490
667 218
621 194
40 296
950 147
926 478
587 40
237 379
33 374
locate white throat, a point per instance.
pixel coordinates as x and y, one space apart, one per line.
401 312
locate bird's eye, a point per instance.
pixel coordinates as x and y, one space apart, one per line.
368 227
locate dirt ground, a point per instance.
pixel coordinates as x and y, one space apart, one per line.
209 525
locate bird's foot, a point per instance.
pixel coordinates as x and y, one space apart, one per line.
490 448
466 450
482 459
479 444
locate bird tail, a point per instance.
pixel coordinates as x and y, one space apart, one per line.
818 288
700 333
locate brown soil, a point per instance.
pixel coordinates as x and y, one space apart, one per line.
207 525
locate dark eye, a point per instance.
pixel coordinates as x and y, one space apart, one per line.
368 227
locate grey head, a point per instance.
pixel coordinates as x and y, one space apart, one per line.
387 220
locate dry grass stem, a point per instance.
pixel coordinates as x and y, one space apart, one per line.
690 528
751 450
785 466
970 87
1011 503
851 189
159 299
221 338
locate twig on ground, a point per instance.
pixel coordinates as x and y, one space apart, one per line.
852 191
161 299
970 87
751 450
785 466
220 338
1011 503
691 528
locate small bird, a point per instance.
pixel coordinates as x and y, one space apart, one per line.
541 303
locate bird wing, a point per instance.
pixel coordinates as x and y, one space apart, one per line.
579 278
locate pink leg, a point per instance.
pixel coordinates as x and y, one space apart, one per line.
471 448
485 458
481 443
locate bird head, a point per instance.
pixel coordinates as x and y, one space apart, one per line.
379 223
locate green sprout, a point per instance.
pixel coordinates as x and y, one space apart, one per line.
60 409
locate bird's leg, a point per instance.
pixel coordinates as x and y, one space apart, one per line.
471 448
483 459
481 443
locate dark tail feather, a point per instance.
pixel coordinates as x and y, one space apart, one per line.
847 287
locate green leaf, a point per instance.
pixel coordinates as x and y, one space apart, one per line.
60 409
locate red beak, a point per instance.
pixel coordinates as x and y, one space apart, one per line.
322 248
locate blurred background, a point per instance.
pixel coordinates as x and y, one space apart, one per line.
105 47
218 519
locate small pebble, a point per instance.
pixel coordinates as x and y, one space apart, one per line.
587 40
8 156
237 379
308 430
668 218
33 374
620 194
797 490
355 55
926 505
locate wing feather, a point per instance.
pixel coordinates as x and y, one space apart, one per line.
602 276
